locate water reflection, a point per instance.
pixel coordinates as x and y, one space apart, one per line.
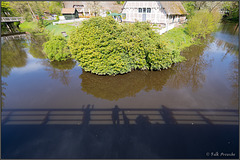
233 78
229 28
12 55
231 46
60 70
191 72
35 46
127 85
3 95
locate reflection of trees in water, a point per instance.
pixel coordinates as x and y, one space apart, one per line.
233 77
233 50
120 86
191 72
229 28
12 55
60 70
229 47
35 46
3 95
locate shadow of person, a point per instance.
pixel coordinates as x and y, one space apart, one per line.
142 121
167 115
86 114
125 119
115 115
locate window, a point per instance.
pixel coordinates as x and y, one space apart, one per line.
144 10
139 10
148 10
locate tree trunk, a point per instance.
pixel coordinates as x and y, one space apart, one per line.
33 15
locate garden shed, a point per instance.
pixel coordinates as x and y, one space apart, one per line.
70 13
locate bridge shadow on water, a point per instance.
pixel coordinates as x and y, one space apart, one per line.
117 133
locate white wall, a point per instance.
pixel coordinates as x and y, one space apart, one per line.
157 15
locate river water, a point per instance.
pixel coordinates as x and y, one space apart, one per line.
57 110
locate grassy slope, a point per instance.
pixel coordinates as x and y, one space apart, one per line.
177 38
52 29
57 29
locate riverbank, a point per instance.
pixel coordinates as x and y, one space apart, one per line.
177 38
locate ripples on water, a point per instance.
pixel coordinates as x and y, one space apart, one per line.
46 102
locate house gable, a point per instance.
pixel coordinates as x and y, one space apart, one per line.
161 12
143 11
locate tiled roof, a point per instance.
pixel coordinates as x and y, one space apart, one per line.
68 10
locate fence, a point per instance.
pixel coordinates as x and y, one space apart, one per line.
11 19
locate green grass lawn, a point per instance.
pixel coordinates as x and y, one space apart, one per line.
57 29
177 38
52 29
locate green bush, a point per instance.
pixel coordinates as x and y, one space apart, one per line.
56 49
29 27
203 23
105 47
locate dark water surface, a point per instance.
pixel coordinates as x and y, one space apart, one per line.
56 110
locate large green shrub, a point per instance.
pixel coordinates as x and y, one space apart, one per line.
203 23
56 49
105 47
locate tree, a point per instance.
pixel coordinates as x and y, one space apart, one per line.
104 47
95 7
203 23
193 6
189 7
56 49
29 9
233 8
6 10
55 7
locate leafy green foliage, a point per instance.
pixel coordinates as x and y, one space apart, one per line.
203 23
189 7
233 8
29 27
6 10
56 49
105 47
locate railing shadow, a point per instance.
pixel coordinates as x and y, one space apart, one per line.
134 133
118 116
